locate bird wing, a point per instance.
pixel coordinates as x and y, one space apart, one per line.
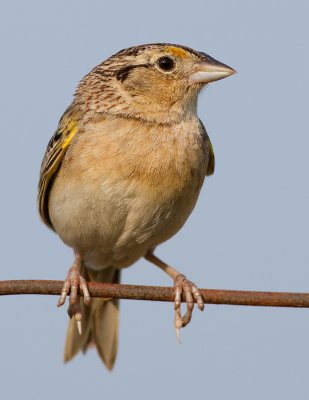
211 160
54 154
211 154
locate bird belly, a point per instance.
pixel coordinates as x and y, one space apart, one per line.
116 224
151 220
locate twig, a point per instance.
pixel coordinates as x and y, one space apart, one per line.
156 293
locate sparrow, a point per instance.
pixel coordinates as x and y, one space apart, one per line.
122 174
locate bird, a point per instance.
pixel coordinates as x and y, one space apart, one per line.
122 174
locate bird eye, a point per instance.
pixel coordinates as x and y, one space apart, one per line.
166 63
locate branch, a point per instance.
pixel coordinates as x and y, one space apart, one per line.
156 293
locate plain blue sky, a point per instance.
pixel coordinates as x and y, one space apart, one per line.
248 231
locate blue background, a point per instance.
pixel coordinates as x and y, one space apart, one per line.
248 231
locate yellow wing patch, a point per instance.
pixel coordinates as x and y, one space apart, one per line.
177 51
71 128
54 154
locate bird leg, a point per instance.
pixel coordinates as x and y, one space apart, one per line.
181 285
72 283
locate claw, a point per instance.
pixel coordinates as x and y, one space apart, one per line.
181 285
191 293
72 283
79 327
178 338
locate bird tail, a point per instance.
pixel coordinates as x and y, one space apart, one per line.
100 322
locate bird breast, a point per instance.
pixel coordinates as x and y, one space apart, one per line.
126 186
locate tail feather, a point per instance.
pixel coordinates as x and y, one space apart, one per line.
99 324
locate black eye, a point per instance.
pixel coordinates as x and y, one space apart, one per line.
166 63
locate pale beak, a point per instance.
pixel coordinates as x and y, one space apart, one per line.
209 70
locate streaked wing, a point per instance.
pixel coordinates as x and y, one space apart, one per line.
54 154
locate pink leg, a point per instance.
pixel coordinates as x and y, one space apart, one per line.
181 285
72 283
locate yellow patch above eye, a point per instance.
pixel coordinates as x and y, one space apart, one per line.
70 130
177 51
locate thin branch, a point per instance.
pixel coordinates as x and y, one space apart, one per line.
156 293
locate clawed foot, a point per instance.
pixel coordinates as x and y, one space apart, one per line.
182 286
191 293
72 283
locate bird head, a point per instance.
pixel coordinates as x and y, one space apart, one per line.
155 82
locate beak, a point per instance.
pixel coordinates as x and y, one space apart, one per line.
209 70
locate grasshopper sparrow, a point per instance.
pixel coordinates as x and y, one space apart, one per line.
122 174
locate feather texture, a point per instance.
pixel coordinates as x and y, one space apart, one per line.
55 151
123 172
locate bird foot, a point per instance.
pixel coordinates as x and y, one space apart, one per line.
183 286
72 283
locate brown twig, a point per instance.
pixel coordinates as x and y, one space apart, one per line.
156 293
